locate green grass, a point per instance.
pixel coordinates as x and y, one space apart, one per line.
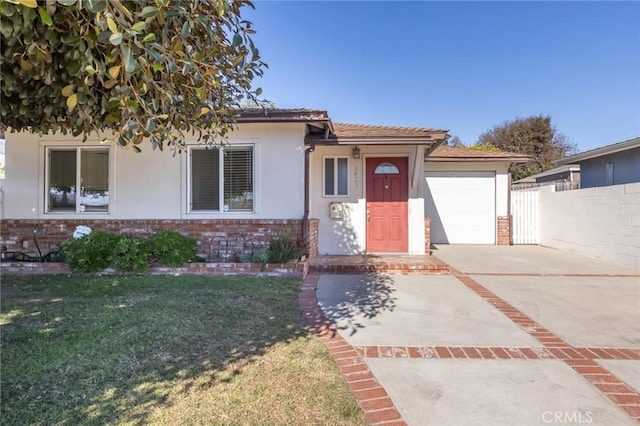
163 350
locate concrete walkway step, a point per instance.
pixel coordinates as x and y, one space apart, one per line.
358 264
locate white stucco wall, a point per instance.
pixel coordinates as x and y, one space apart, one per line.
602 222
153 184
348 236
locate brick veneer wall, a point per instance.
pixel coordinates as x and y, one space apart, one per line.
504 230
427 235
293 270
14 232
312 235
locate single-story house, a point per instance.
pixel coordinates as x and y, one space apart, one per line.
343 188
614 164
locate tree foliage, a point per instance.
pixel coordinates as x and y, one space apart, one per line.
156 69
484 147
534 136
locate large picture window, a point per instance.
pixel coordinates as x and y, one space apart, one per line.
77 180
336 176
222 179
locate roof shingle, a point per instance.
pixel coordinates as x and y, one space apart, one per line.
345 130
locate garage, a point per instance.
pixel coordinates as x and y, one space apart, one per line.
462 206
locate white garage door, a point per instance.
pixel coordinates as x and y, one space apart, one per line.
462 207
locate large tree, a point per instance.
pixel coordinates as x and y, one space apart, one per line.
158 69
534 136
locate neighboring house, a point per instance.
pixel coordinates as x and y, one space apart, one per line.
614 164
346 189
566 173
564 178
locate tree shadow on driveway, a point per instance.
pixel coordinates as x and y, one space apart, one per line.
346 300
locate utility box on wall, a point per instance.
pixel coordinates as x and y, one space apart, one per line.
336 210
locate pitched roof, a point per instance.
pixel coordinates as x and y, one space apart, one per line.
344 133
456 153
604 150
364 134
346 130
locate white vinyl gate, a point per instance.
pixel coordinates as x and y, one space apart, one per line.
524 216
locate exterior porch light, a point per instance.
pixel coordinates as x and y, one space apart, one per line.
355 153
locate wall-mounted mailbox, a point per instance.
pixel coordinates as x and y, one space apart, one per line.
336 210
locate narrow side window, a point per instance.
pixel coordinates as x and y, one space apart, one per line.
336 176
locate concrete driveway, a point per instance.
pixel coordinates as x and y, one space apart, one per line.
521 335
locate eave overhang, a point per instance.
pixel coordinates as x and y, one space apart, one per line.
367 141
316 118
266 114
333 139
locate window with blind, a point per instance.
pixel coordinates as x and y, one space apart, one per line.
222 179
78 180
336 176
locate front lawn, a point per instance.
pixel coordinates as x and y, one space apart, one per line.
163 350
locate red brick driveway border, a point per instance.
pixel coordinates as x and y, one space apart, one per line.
581 359
376 404
378 407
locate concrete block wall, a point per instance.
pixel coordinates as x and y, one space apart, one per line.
602 222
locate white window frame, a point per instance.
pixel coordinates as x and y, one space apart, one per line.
221 210
65 146
335 176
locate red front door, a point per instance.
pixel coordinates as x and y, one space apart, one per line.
387 205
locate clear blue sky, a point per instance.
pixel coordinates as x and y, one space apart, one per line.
462 66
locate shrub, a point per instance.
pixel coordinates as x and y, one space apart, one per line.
90 253
261 256
283 248
172 248
100 250
130 254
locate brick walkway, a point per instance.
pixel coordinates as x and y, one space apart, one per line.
378 407
372 397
